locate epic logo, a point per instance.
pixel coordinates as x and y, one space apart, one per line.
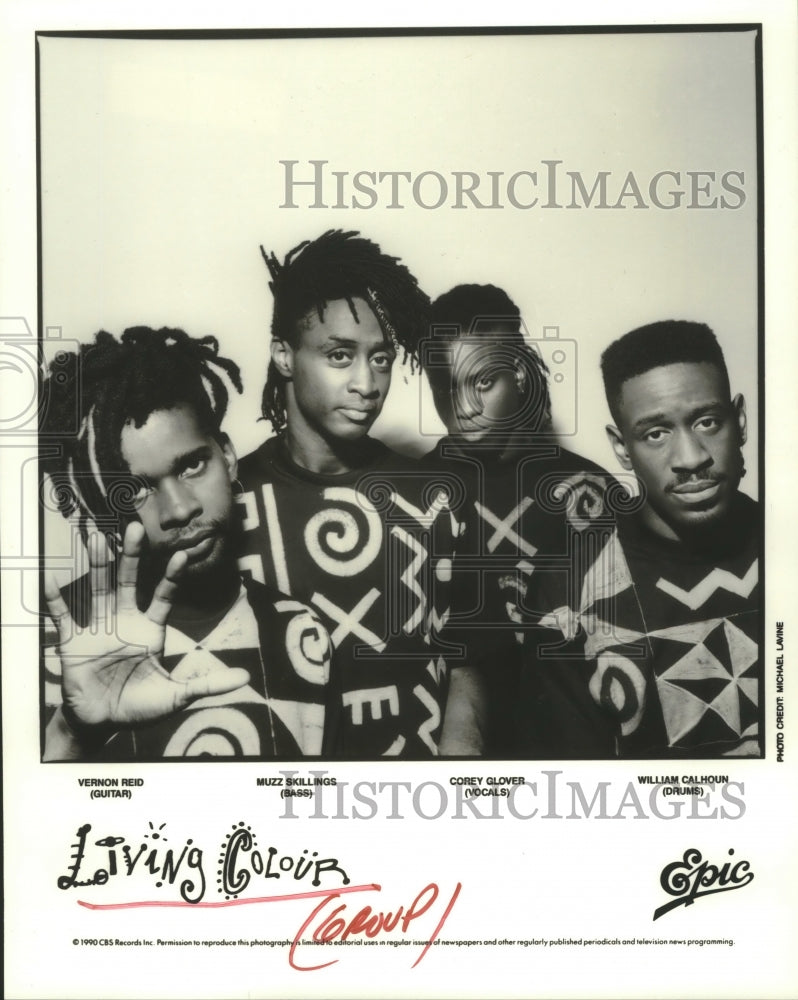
691 878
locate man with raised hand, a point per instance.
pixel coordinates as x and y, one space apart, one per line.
111 669
155 649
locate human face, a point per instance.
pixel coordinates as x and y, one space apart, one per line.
681 434
484 397
338 375
187 502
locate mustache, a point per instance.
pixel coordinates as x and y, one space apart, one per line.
684 478
190 534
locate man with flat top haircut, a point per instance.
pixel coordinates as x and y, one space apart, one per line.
668 619
335 518
162 650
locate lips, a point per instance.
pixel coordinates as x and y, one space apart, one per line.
196 546
360 415
189 541
696 491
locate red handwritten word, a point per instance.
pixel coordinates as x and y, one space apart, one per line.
333 926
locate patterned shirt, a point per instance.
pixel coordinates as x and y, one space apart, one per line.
659 656
371 552
279 714
522 518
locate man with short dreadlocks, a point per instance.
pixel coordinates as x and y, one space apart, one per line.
165 651
334 517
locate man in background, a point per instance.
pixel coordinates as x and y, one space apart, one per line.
531 508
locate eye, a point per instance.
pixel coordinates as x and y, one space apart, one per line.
195 468
709 424
339 357
382 362
656 435
142 494
484 383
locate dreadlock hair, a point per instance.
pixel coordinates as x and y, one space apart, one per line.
488 311
108 384
340 265
667 342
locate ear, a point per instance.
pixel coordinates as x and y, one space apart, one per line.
618 446
231 461
283 357
742 421
522 380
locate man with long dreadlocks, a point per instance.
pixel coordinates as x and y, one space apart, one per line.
334 517
165 651
533 512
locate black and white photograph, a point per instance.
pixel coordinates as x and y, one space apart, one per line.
484 591
389 471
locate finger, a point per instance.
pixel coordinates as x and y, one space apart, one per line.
128 573
57 607
99 572
163 597
215 682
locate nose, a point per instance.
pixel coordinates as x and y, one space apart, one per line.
689 453
362 379
177 504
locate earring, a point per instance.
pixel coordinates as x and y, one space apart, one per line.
520 380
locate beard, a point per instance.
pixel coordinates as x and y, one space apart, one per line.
200 576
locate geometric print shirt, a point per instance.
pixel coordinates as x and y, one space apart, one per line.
279 714
538 514
371 552
660 656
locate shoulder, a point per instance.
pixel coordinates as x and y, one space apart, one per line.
392 473
585 490
259 464
746 527
569 463
746 508
435 456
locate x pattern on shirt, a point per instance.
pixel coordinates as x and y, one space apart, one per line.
373 556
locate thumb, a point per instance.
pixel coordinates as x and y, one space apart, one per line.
214 682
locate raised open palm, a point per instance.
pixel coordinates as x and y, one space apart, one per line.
111 668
